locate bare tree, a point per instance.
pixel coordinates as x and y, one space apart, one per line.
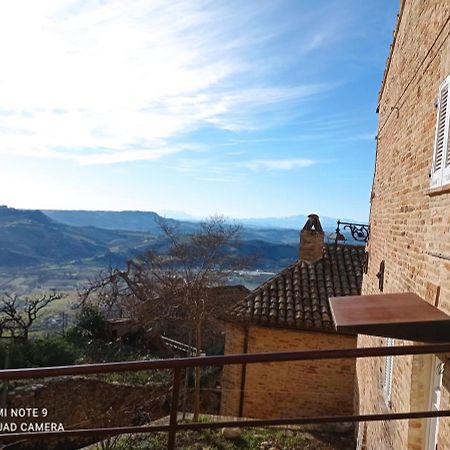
173 284
17 314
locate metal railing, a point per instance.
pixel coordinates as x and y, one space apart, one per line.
180 346
178 364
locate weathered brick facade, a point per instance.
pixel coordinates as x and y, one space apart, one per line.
289 389
409 224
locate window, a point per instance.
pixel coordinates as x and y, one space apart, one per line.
440 171
388 369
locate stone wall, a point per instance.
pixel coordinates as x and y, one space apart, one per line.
409 225
288 389
79 402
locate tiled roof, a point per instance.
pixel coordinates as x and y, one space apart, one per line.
298 296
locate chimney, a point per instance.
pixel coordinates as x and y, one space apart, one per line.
311 240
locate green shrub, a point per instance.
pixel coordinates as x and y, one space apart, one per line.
161 376
90 322
53 351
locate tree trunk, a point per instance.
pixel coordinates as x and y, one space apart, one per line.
198 344
8 356
186 377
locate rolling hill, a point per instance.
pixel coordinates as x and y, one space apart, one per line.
146 221
32 238
65 249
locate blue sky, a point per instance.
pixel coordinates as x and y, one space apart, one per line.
245 108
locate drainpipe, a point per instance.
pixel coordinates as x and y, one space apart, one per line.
243 374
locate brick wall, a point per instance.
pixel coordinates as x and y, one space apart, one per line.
409 227
288 389
231 378
311 245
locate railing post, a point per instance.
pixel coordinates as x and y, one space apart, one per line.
174 409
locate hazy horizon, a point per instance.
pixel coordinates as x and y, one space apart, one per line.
180 214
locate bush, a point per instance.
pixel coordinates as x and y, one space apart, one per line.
53 351
162 376
89 322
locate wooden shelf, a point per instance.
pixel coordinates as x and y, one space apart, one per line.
401 316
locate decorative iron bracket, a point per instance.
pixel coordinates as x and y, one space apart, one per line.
359 231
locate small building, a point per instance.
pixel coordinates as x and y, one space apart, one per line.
221 298
118 328
163 333
291 312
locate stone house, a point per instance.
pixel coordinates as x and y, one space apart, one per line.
158 334
291 311
213 339
409 246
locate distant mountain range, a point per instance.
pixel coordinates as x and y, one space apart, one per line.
288 222
32 238
146 221
292 222
114 220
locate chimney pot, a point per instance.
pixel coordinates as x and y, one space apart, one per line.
311 240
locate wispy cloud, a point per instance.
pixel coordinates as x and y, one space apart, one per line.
279 164
130 77
229 179
101 100
206 170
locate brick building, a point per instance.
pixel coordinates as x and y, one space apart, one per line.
409 246
291 311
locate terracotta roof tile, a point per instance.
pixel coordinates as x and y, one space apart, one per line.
298 296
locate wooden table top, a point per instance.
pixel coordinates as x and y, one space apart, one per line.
403 315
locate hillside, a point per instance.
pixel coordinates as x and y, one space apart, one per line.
31 237
66 249
146 221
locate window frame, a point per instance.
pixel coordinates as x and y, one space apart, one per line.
441 177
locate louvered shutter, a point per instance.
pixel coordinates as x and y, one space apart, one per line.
388 372
446 159
441 154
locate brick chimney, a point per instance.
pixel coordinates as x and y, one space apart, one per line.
311 240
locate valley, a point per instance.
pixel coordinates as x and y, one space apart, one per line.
64 250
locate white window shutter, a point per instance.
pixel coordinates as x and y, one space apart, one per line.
441 139
446 160
388 372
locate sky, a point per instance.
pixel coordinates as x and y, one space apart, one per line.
247 108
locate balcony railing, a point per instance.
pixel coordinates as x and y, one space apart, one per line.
177 365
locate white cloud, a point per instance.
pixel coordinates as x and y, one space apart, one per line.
23 191
207 170
231 171
279 164
114 81
217 179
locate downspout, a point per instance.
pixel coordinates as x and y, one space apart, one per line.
243 374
